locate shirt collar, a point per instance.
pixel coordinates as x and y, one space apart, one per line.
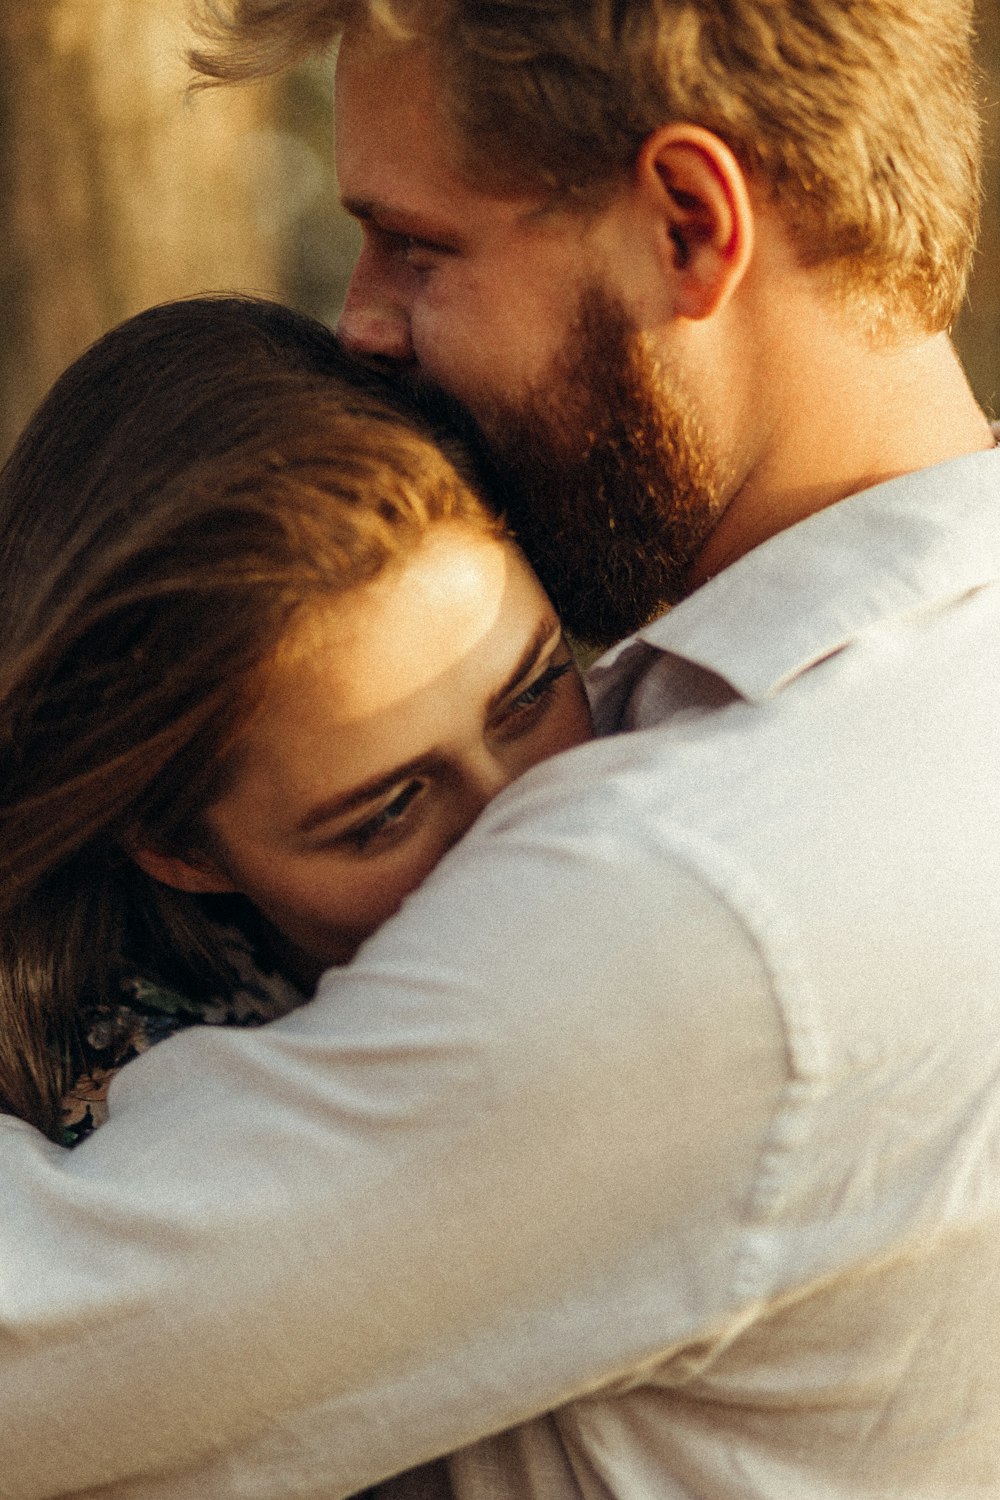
908 544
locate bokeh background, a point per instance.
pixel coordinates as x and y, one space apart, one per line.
117 190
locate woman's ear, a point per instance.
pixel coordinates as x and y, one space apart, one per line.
700 195
195 872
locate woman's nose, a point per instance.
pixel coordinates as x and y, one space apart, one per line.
481 781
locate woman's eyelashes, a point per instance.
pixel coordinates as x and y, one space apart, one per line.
381 827
519 715
401 814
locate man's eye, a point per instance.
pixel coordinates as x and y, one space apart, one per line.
386 822
413 250
419 255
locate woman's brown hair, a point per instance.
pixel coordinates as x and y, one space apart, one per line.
189 485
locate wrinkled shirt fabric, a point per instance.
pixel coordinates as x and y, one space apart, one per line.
651 1152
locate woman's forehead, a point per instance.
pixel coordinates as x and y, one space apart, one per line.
432 636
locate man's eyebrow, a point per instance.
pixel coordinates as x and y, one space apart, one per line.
403 221
549 632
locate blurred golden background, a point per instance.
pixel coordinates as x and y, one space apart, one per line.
119 191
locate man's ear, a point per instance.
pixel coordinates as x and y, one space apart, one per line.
194 872
700 194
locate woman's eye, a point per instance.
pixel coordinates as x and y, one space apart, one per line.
540 691
386 822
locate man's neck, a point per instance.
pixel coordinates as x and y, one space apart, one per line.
855 418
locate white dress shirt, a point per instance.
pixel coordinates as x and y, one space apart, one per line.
659 1133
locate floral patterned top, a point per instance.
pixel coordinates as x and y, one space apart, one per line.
124 1026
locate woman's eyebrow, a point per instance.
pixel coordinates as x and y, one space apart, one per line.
549 632
346 802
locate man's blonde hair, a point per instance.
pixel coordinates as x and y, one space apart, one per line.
859 120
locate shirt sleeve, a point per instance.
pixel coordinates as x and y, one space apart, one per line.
496 1163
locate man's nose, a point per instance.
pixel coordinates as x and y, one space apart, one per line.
373 319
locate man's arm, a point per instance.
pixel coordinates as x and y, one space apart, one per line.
496 1163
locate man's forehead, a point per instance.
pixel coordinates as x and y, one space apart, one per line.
399 157
390 125
388 95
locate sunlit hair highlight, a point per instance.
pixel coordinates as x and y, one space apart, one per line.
859 121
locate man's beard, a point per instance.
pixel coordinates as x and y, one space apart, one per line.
604 477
